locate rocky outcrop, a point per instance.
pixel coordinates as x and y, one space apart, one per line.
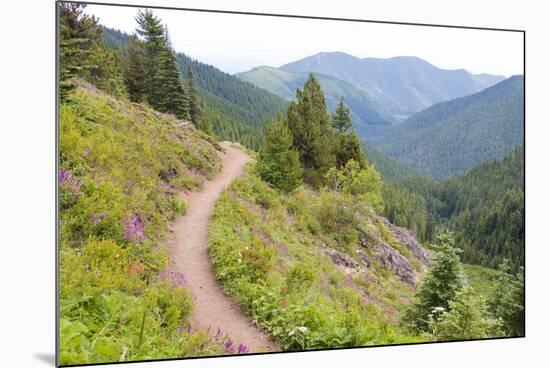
407 238
391 259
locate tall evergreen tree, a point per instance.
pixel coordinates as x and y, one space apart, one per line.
506 299
348 147
278 162
309 122
174 98
79 33
194 105
154 44
341 118
134 76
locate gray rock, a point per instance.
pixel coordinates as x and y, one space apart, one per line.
340 259
407 238
365 258
391 259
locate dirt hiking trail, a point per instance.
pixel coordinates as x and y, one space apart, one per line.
188 246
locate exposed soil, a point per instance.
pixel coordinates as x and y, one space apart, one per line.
188 245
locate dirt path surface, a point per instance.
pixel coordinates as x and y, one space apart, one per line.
188 246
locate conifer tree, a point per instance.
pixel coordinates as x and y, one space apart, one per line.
440 285
134 76
506 299
278 162
309 122
174 98
79 33
348 147
194 108
341 118
467 318
154 44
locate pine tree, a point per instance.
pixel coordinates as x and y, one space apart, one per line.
278 162
440 285
467 318
134 76
79 33
174 99
348 147
309 122
194 107
154 44
506 299
341 118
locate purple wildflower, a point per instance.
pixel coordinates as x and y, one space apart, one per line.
63 176
96 219
175 278
349 279
218 334
180 328
242 349
189 329
134 228
229 345
86 154
201 348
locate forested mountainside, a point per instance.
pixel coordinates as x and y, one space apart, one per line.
401 85
484 207
454 136
237 110
364 111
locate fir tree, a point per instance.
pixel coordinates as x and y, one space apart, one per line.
348 147
154 44
79 33
467 318
173 98
440 285
341 118
278 162
194 108
309 123
134 76
506 300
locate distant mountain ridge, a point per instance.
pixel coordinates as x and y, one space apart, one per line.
364 110
453 136
402 85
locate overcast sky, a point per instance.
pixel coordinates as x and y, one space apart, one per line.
236 43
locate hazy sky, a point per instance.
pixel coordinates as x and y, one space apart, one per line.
236 43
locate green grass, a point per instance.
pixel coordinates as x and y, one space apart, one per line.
267 254
480 278
121 167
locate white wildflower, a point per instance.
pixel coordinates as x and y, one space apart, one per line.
291 333
302 329
439 309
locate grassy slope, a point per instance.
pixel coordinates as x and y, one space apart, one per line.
121 165
480 278
269 252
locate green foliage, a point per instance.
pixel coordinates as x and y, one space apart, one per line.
134 75
309 122
121 165
194 108
363 184
341 118
466 319
79 34
265 249
347 148
506 300
439 287
278 162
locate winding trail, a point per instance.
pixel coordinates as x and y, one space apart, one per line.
188 246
